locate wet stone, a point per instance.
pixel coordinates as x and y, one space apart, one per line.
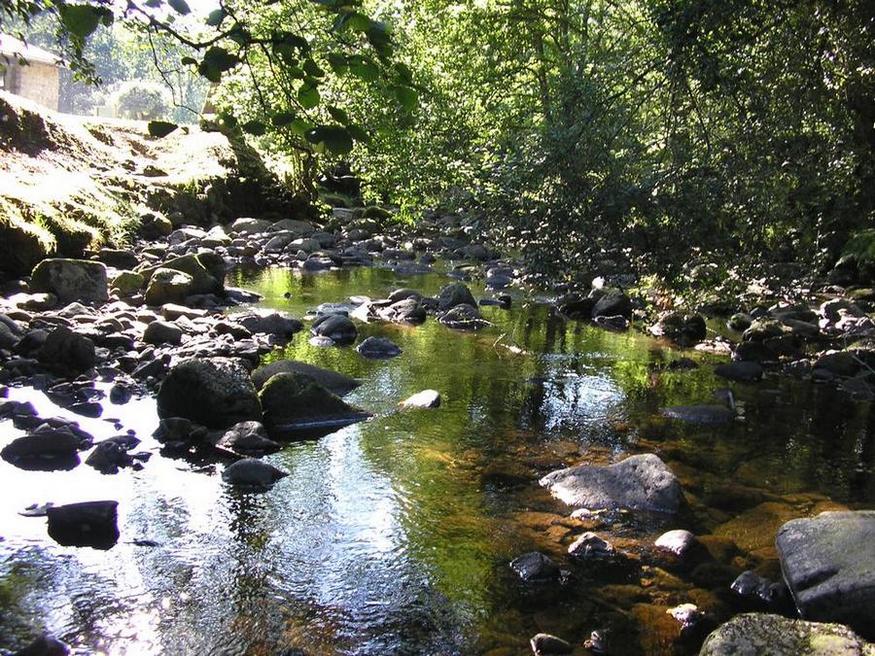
544 644
88 524
535 567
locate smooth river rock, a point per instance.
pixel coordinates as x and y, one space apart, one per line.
755 634
251 472
829 564
641 482
295 402
71 280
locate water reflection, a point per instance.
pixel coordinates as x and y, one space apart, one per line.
393 535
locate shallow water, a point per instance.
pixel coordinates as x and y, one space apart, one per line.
393 536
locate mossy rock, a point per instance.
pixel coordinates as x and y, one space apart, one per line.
376 213
295 402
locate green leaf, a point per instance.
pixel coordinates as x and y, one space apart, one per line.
405 75
296 72
407 97
188 61
334 138
338 62
358 22
228 120
256 128
161 129
364 68
282 119
180 6
217 59
215 17
301 126
338 114
309 96
357 133
313 69
80 20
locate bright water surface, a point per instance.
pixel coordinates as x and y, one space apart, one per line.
393 536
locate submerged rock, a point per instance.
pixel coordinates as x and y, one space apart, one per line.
641 482
254 473
294 402
745 372
88 524
756 634
827 563
71 280
590 546
705 414
378 348
214 392
535 567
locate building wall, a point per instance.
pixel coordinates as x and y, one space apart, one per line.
37 82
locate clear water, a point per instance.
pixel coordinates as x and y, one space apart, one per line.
393 536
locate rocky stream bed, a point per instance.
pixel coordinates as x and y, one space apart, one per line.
275 437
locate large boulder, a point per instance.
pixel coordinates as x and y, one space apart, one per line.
294 402
331 380
71 280
612 304
89 524
213 392
641 482
756 634
455 294
206 269
67 351
828 565
168 286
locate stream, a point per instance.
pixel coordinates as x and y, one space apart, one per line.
393 536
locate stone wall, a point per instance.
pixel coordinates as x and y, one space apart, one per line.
35 81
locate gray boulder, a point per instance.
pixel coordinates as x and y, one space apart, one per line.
71 280
254 473
828 565
250 226
754 634
162 332
337 327
67 351
378 348
641 482
455 294
168 286
213 392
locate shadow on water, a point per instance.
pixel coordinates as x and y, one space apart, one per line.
393 536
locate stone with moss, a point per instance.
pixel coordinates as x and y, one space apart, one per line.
168 286
127 283
293 401
71 280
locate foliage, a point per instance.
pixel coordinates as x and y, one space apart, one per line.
145 101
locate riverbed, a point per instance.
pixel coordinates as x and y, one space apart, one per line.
393 536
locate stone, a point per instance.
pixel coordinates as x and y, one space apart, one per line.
294 226
127 283
168 286
45 645
590 546
46 449
739 322
179 430
294 402
640 482
463 317
89 524
248 438
252 473
613 303
839 363
162 332
270 323
110 455
71 280
8 338
407 310
334 382
118 258
378 348
454 294
245 226
758 634
535 567
213 392
172 312
683 329
67 351
679 542
337 327
424 399
742 371
544 644
827 563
